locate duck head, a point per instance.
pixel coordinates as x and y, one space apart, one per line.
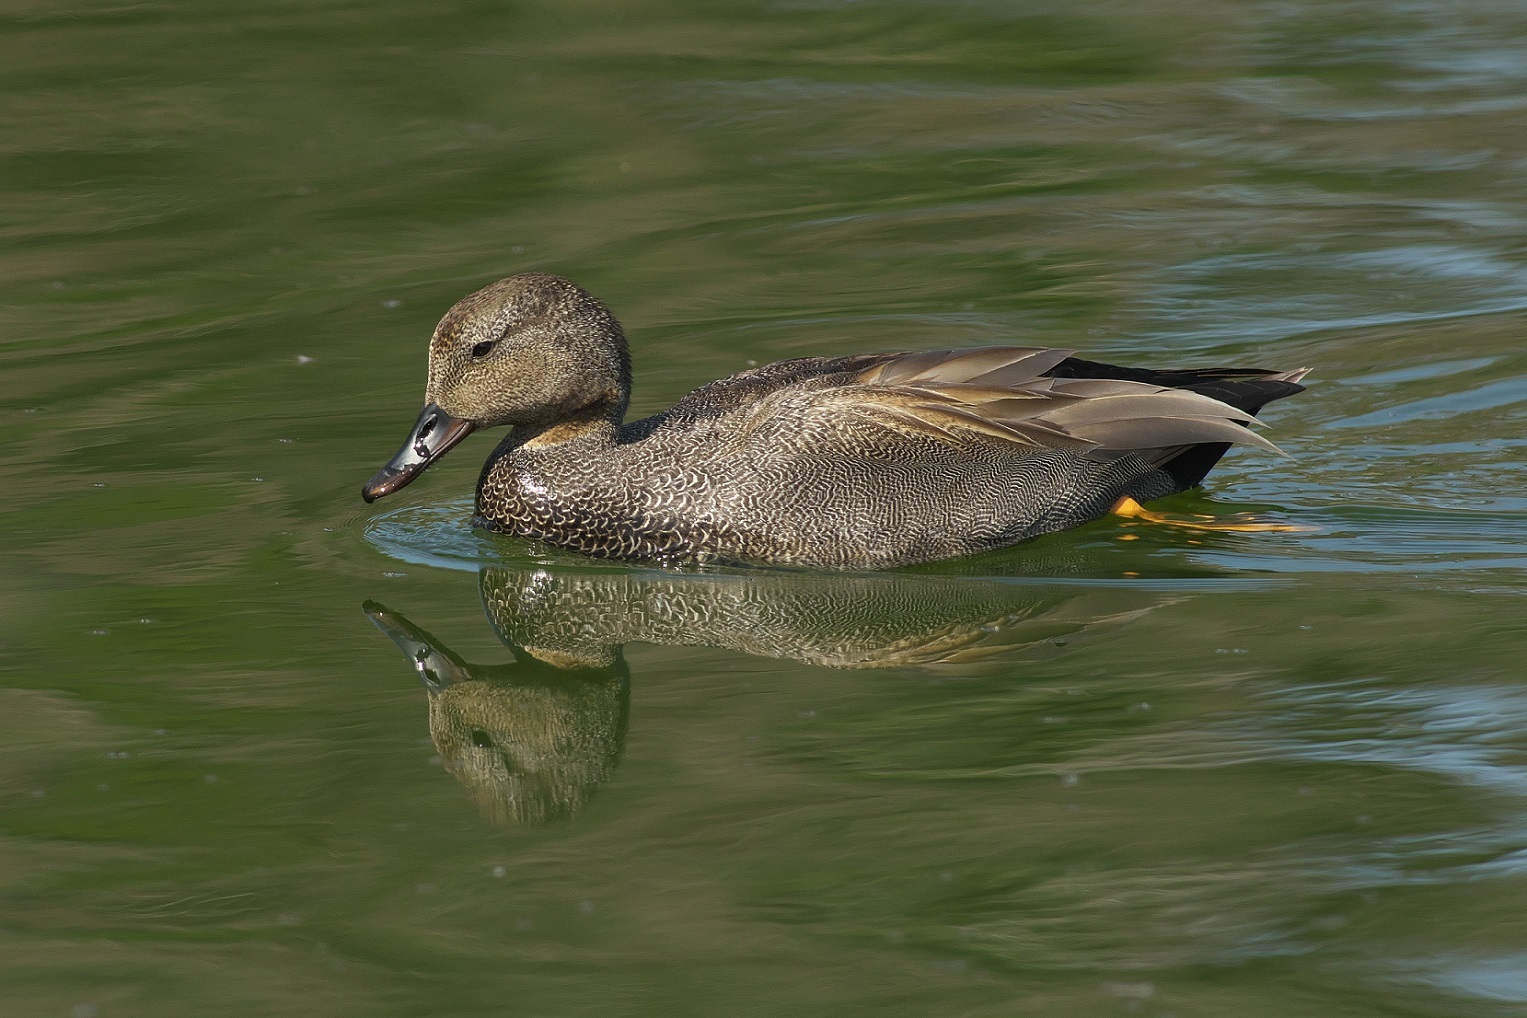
532 351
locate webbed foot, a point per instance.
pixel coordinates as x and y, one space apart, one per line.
1239 523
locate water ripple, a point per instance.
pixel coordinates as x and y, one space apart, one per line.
1275 295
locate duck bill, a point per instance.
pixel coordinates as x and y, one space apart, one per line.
435 432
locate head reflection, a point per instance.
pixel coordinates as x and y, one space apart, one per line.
532 740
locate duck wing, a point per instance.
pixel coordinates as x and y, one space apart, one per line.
1009 395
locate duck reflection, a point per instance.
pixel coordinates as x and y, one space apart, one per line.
531 740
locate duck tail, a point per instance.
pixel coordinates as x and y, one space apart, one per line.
1190 466
1176 378
1248 389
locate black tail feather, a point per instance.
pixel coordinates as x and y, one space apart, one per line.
1180 378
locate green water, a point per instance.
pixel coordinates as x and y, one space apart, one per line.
1124 770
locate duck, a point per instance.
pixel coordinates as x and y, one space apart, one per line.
856 462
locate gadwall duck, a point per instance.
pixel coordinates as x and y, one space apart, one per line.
862 462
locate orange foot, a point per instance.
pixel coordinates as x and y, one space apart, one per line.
1240 523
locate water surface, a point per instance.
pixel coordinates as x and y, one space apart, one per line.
1122 770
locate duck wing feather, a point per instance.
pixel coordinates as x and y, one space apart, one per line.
1003 394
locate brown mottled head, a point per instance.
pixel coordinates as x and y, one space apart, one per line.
532 350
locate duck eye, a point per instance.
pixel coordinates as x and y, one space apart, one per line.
484 348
